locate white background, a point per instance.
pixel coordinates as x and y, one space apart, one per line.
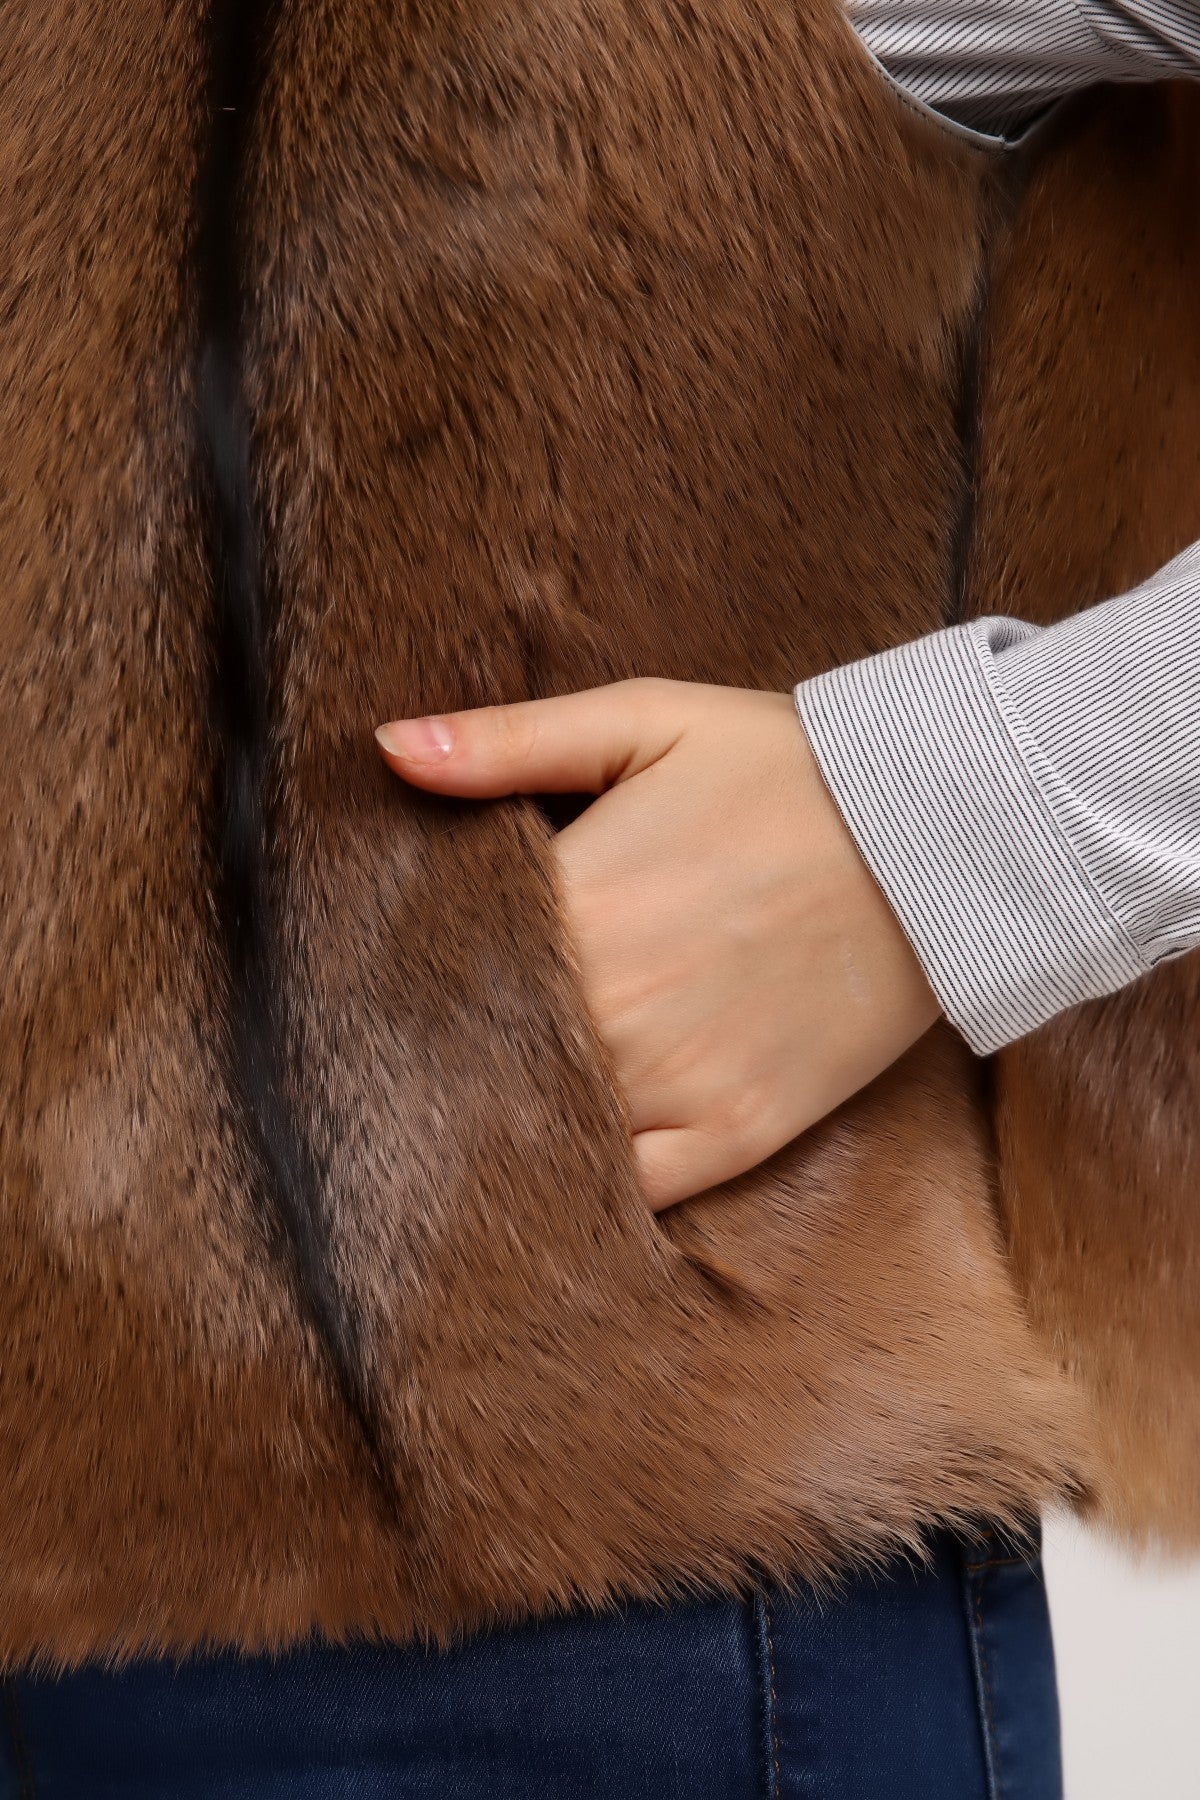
1127 1636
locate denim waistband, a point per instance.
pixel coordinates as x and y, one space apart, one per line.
923 1682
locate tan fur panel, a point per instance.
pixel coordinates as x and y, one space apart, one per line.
599 379
149 1352
1092 459
587 341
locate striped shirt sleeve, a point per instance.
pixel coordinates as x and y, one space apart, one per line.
1028 798
990 64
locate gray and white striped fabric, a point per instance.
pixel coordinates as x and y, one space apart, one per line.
990 64
1027 798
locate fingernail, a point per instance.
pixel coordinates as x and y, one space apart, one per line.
417 740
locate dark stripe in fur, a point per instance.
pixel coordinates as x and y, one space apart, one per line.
1009 182
289 1189
966 425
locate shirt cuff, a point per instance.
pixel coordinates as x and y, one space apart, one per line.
923 764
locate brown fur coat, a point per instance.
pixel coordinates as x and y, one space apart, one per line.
487 349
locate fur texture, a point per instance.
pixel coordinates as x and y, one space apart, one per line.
1091 428
579 341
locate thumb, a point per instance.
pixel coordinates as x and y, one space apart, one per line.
574 744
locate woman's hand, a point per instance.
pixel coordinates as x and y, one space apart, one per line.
739 959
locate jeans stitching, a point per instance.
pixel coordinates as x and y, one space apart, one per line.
26 1781
766 1644
973 1608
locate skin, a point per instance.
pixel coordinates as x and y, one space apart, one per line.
738 957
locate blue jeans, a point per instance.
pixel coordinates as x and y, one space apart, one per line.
928 1685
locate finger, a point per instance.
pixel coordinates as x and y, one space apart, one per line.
574 744
676 1162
